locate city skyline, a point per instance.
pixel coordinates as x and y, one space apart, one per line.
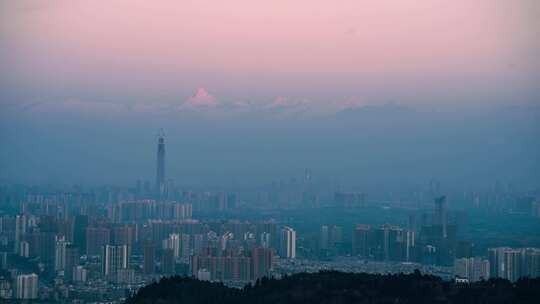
104 244
240 151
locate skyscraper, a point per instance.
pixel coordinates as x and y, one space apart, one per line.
509 263
440 214
167 261
324 238
27 286
336 235
473 269
409 240
174 243
160 174
512 260
288 243
96 239
262 259
361 239
266 240
531 263
114 259
71 261
496 261
388 243
20 230
60 254
149 256
79 232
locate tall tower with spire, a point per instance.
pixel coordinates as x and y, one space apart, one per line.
160 174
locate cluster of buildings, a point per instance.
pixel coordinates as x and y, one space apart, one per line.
514 263
428 242
132 248
437 244
501 262
26 287
472 269
502 199
331 237
230 266
95 247
384 243
100 246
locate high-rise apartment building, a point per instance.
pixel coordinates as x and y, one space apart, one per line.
288 243
324 238
80 224
79 274
167 261
114 258
262 259
72 257
531 262
149 257
174 243
26 286
336 235
266 240
514 263
20 230
60 254
361 240
473 269
388 243
96 239
441 217
224 267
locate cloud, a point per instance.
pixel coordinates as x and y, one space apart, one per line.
352 103
282 107
73 106
281 102
238 107
201 100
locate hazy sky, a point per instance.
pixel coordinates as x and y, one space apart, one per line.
84 85
403 51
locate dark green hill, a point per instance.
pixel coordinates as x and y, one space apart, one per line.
339 288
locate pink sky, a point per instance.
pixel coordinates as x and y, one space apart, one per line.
242 48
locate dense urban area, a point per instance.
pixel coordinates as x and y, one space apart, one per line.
101 245
270 152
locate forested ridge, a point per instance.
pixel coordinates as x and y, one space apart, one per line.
339 288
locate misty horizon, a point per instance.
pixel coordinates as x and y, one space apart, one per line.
366 94
358 146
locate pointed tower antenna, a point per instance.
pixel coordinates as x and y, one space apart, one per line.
161 133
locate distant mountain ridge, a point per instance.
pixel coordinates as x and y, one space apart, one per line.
340 288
